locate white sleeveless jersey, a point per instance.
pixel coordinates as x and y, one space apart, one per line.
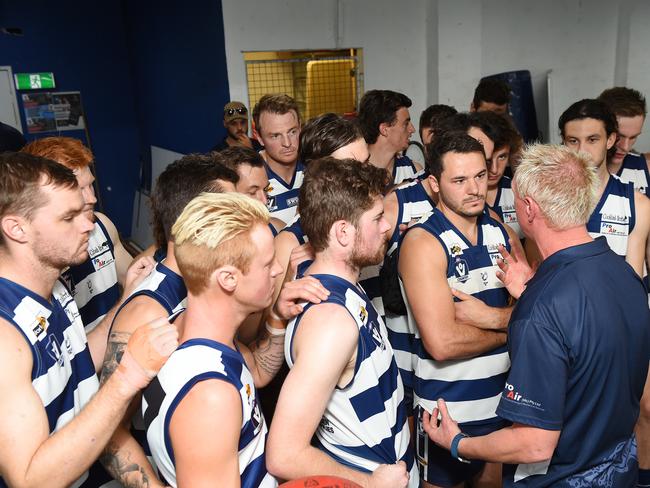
282 196
197 360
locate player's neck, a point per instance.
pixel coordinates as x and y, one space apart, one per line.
29 273
382 156
491 196
613 167
549 241
170 259
603 178
466 225
283 170
211 316
327 262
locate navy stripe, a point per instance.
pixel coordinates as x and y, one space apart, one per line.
461 390
371 286
401 341
421 352
254 473
371 401
100 304
82 369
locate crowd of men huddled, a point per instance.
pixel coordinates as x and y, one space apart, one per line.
317 303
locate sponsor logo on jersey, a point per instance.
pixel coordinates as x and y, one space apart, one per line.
292 202
102 261
40 327
621 219
98 249
509 217
461 270
608 228
455 249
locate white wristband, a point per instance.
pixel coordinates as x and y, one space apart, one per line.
275 332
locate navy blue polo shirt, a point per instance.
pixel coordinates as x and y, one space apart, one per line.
579 341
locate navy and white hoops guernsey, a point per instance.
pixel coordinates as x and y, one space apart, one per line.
364 424
504 205
471 387
614 215
63 373
197 360
635 169
164 286
404 169
413 204
282 195
94 282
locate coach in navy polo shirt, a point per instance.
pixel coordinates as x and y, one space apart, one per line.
579 341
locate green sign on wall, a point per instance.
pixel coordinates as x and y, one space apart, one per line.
34 81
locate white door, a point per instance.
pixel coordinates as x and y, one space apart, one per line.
9 113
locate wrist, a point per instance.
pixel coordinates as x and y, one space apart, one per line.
273 321
130 374
454 447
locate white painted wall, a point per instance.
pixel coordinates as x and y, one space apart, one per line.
435 51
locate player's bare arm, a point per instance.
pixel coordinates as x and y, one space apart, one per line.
324 353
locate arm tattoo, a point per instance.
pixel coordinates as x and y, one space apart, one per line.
114 350
129 474
269 354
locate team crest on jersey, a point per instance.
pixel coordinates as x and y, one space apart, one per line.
376 336
270 204
40 327
363 314
54 350
461 270
455 249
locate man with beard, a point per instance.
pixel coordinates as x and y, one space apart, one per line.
235 120
344 384
456 250
54 420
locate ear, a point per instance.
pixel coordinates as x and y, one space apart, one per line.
472 108
343 232
433 183
611 140
226 277
256 135
383 129
531 209
14 227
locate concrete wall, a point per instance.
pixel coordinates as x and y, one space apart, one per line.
436 51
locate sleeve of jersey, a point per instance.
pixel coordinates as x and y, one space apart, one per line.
535 391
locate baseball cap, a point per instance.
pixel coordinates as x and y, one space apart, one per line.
234 110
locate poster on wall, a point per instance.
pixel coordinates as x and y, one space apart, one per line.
39 114
53 112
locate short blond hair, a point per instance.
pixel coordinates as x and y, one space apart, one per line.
213 231
562 182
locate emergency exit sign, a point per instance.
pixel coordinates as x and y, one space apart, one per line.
34 81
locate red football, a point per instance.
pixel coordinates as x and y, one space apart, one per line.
320 482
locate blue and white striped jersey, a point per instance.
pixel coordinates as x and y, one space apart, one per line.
282 195
614 215
404 169
471 387
94 282
364 424
635 169
63 373
504 205
197 360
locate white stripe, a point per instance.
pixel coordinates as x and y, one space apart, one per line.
101 280
463 369
468 411
82 395
480 279
525 470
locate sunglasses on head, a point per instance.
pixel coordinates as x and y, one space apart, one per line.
232 111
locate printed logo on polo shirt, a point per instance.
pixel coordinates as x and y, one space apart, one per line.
511 393
461 270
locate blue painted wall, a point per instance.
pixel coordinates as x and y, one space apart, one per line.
149 73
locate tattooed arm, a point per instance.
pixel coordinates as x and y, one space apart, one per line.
265 355
123 457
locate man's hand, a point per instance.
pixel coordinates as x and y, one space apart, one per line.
243 140
514 270
146 352
444 433
299 255
307 289
138 270
389 476
471 310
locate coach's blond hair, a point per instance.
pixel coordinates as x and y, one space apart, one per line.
213 231
562 182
